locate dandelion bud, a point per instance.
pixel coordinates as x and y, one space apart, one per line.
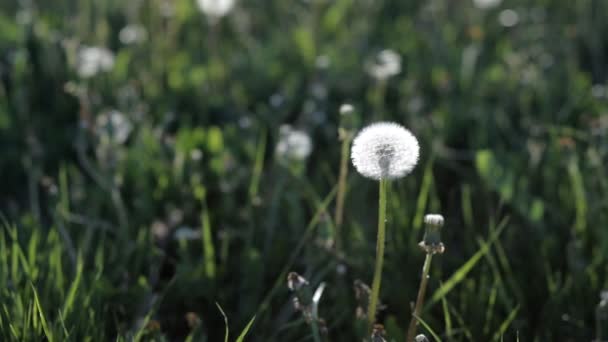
385 150
432 236
433 219
348 121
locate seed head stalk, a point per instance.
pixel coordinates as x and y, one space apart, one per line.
373 304
411 331
341 190
430 244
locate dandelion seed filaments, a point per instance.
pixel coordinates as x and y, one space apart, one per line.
386 64
94 60
215 8
293 144
385 150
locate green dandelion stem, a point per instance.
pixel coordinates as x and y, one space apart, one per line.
373 304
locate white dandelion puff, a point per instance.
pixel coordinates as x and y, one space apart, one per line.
94 60
293 144
132 34
215 8
114 125
385 65
486 4
346 109
385 150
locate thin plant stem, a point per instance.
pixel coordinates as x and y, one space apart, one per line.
373 303
341 191
411 331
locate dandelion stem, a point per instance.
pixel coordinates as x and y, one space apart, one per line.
341 190
411 332
379 253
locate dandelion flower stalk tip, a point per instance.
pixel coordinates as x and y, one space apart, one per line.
431 244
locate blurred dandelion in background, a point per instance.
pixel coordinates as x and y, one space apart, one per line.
132 34
215 8
93 60
386 64
385 150
508 18
486 4
293 145
113 125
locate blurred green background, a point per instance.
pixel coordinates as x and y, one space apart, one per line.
142 182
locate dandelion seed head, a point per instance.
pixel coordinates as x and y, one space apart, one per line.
385 150
215 8
94 60
508 18
385 65
132 34
114 125
346 109
293 144
486 4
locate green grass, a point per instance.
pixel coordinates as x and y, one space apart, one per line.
512 123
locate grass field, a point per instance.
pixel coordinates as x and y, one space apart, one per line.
165 166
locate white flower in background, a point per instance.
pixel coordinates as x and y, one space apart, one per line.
132 34
486 4
113 125
293 144
508 18
346 109
385 65
93 60
385 150
215 8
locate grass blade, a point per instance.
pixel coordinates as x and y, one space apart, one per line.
505 325
43 321
428 328
462 272
241 337
225 321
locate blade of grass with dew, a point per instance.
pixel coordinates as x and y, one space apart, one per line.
462 272
45 326
241 337
428 328
505 325
227 330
